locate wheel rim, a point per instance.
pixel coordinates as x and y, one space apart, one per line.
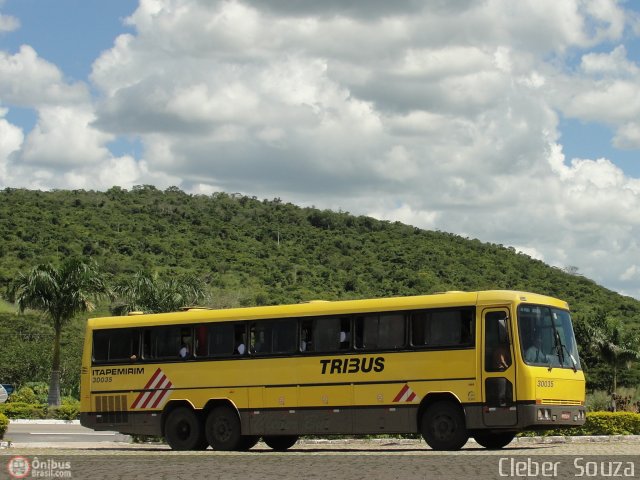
444 427
222 429
183 430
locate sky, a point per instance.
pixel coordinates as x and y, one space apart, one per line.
514 122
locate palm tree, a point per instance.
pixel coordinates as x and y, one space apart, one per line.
617 346
60 293
150 293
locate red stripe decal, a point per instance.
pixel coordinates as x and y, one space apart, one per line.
162 395
402 392
146 387
150 396
154 386
153 377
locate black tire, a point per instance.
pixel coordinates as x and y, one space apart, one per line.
443 426
183 430
280 442
493 440
247 442
222 429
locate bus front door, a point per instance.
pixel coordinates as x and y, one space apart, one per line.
498 382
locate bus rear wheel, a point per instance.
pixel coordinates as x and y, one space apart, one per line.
443 426
222 429
183 430
493 440
247 442
280 442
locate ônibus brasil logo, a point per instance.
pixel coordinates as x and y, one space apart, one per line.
18 467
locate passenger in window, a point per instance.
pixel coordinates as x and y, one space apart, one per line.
240 348
344 339
184 349
501 354
305 343
501 357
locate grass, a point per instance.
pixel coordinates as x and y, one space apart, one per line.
6 307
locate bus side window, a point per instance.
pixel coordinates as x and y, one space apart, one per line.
444 328
240 339
202 346
326 334
186 343
220 339
274 336
147 345
284 336
306 335
116 345
260 338
366 329
345 333
169 343
391 330
383 331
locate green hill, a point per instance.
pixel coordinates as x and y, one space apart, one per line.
262 252
269 251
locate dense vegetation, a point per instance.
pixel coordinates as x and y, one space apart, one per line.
262 252
27 343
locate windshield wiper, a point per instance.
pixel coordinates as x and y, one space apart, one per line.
561 348
558 345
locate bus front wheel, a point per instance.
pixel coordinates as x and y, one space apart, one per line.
280 442
443 426
222 429
183 430
493 440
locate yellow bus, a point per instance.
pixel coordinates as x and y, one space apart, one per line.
448 366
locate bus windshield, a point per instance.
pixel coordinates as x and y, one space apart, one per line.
546 337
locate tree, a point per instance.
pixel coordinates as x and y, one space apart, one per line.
149 293
617 346
60 293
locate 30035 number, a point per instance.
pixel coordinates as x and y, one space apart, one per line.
102 379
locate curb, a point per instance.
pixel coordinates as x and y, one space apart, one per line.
581 438
517 440
42 421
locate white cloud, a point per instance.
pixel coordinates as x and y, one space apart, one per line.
628 136
631 273
8 23
27 80
615 62
11 138
64 137
64 149
607 90
445 116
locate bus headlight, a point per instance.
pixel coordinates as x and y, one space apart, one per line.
544 414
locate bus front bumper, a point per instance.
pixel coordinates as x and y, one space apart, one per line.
543 416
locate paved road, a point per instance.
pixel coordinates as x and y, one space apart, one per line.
329 460
54 433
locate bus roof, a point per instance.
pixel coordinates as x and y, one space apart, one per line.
316 307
